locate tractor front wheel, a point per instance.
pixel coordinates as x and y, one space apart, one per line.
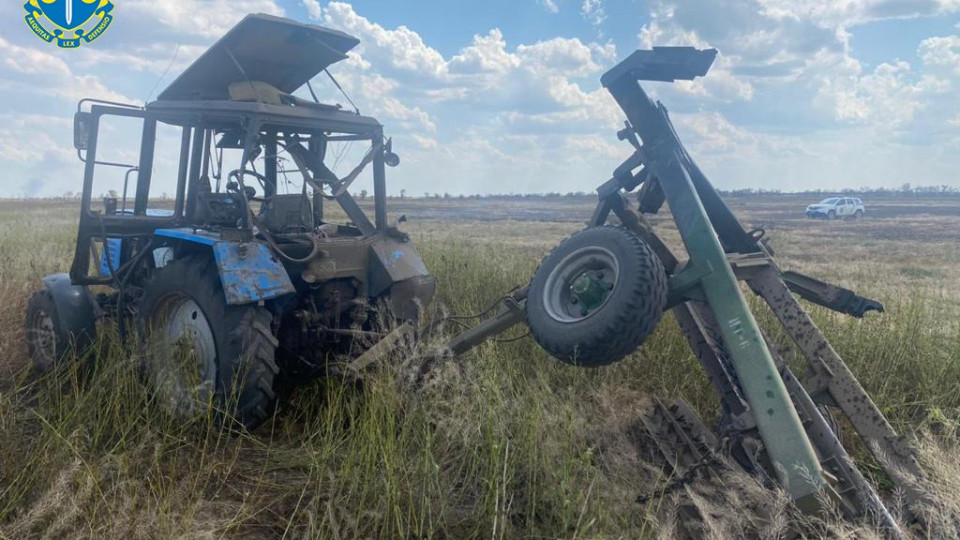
596 297
46 341
200 351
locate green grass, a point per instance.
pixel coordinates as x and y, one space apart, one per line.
504 443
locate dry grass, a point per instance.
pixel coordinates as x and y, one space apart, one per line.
504 443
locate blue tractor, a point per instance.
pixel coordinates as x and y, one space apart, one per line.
233 286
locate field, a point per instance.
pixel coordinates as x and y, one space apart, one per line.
503 443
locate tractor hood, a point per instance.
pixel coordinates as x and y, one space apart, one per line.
280 52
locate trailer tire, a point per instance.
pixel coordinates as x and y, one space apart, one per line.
621 322
232 347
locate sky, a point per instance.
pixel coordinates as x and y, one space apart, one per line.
503 96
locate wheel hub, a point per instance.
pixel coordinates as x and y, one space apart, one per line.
589 291
183 355
44 338
581 284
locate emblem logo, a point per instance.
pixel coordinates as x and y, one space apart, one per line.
71 21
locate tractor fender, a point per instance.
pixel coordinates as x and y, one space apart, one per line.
76 308
396 268
249 271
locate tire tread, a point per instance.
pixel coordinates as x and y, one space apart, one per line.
647 296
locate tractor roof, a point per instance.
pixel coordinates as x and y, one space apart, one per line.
283 53
231 113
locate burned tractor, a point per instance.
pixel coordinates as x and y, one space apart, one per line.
234 284
238 285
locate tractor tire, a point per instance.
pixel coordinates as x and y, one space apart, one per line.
599 329
47 342
202 351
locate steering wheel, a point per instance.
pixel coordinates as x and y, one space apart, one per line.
251 193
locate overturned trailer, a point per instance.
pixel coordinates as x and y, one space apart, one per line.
600 293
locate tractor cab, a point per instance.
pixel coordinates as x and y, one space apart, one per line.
233 208
240 139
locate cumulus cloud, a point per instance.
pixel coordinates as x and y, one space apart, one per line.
35 70
400 49
314 11
487 74
208 18
793 62
941 51
787 102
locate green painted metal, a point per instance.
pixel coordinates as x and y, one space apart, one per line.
590 291
783 435
796 464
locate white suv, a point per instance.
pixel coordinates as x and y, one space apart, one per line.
837 207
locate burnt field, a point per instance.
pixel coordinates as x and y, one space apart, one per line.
776 208
507 442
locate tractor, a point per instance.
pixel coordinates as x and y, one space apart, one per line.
234 285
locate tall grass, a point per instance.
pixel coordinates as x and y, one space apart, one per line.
502 443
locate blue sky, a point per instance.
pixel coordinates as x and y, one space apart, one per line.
503 96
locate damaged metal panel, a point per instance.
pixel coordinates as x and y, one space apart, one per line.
830 296
393 261
398 267
280 52
250 273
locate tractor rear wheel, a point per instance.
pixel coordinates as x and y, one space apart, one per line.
596 297
202 351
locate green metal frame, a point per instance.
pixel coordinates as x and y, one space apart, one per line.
665 159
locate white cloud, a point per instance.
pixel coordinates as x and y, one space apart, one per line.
528 79
560 56
593 12
208 18
33 70
851 12
941 51
486 54
401 49
314 11
884 97
549 5
426 143
42 144
502 116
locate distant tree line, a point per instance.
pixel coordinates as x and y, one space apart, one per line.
904 190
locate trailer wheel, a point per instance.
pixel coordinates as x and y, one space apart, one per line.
596 297
201 351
